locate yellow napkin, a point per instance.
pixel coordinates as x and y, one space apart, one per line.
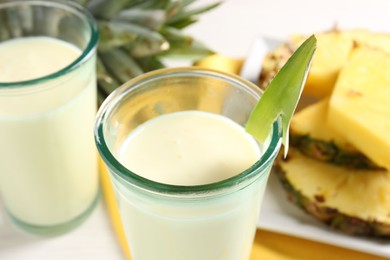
267 245
109 199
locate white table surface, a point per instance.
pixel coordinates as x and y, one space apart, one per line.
94 239
230 29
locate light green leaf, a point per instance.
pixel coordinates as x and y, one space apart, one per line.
151 18
184 13
106 9
282 95
122 66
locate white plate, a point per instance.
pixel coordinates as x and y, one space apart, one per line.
277 213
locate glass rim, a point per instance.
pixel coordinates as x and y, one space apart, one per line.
115 167
73 7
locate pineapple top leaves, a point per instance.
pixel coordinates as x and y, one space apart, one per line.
282 95
136 35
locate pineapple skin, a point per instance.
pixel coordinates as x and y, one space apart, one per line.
359 108
329 152
310 134
274 61
352 202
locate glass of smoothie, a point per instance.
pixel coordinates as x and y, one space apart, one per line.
188 179
48 159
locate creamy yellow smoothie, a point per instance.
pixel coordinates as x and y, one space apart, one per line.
190 148
33 57
48 162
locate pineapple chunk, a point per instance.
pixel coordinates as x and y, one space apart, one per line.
375 40
359 108
310 134
221 63
332 53
312 121
355 202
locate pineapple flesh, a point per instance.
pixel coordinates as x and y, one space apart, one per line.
310 134
333 49
359 108
311 121
331 54
356 202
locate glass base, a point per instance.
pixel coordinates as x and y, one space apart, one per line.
55 229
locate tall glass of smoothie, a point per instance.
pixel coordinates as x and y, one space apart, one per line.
189 181
48 160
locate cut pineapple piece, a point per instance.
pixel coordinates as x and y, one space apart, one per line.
310 134
375 40
354 202
221 63
332 53
312 121
359 108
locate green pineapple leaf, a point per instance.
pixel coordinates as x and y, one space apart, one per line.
184 13
137 36
282 95
152 19
121 66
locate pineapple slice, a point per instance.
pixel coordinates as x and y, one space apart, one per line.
221 63
332 53
312 121
274 61
375 40
354 202
310 134
359 108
